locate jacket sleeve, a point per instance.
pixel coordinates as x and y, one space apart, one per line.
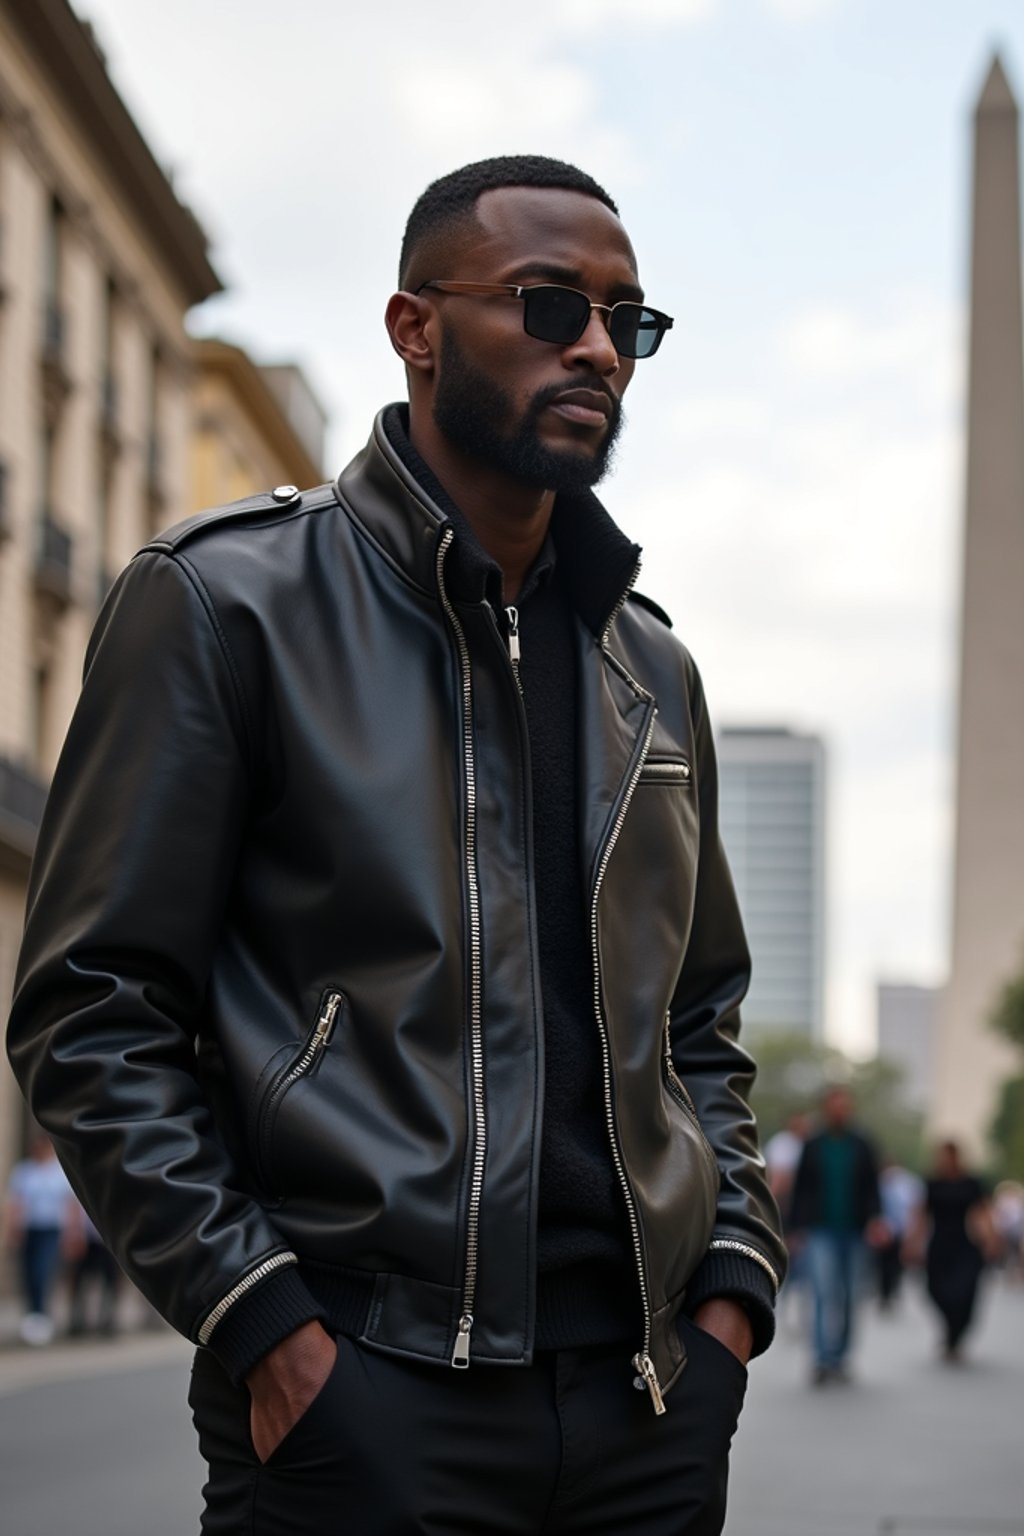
747 1258
132 874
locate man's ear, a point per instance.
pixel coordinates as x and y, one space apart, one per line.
409 320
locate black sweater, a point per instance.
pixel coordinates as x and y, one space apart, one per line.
587 1285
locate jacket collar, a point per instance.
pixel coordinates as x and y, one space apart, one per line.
405 509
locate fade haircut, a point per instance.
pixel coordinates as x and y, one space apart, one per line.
450 202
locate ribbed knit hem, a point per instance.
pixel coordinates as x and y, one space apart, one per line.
262 1318
586 1304
723 1272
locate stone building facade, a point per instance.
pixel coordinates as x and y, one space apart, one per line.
99 264
254 426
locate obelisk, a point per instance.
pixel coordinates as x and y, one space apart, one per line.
988 888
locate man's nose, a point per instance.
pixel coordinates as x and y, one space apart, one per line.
594 348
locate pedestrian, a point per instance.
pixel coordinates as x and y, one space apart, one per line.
94 1268
38 1217
901 1192
382 969
835 1212
1008 1220
782 1154
954 1225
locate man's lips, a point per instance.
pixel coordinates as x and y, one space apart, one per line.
587 407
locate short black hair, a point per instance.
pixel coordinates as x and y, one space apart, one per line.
451 199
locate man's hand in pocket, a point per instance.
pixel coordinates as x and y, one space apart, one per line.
284 1383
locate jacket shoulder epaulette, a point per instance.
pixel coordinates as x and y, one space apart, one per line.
286 499
651 606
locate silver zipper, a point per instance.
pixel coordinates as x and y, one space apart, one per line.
674 773
642 1362
682 1093
276 1261
512 614
460 1354
317 1040
322 1031
735 1246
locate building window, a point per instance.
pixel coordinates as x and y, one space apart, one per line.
53 261
155 468
41 697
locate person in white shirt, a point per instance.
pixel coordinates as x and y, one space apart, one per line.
40 1215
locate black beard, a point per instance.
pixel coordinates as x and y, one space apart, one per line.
472 411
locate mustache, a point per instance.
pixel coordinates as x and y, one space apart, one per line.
543 398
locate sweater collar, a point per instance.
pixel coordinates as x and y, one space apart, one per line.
595 558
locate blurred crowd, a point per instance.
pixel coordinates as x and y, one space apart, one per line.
856 1222
51 1238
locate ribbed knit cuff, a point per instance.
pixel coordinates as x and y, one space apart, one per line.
262 1318
723 1272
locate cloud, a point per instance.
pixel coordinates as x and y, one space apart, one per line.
805 540
656 13
795 482
830 346
801 10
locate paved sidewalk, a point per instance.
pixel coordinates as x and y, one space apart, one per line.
143 1339
912 1447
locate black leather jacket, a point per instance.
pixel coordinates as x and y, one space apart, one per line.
277 1002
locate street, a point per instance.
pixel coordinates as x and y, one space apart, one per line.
96 1438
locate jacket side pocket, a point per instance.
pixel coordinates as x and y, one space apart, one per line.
332 1003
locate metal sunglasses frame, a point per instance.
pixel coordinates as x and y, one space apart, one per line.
449 285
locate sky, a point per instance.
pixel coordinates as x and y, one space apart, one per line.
794 175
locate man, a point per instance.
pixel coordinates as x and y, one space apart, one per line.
835 1208
382 968
40 1224
900 1192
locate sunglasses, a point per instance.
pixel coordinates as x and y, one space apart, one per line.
561 315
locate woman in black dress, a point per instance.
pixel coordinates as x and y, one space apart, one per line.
956 1206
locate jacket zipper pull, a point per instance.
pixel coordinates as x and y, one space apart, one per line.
644 1365
325 1023
512 614
460 1355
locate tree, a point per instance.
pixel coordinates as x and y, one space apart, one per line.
1007 1130
1007 1017
793 1071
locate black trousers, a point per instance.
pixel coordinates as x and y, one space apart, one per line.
564 1447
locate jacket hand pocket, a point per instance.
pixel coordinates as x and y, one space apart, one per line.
301 1065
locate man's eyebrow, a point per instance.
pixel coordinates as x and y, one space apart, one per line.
551 272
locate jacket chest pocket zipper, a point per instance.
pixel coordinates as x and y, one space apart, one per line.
675 772
315 1044
679 1092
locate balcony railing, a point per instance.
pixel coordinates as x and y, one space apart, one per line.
54 332
22 797
53 572
155 485
6 528
110 432
109 400
53 357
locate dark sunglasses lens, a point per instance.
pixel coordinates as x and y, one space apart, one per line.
635 331
555 314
